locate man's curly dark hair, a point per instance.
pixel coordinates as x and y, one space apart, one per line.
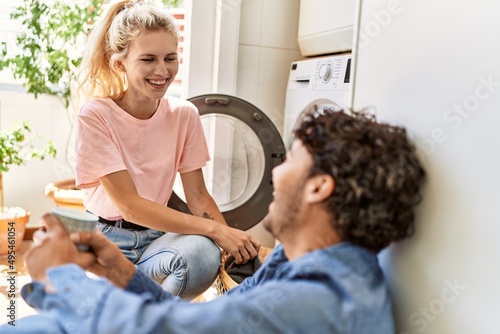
378 177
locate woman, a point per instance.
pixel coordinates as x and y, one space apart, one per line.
131 142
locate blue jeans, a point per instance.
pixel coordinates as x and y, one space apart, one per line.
184 265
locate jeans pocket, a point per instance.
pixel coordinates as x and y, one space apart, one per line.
105 228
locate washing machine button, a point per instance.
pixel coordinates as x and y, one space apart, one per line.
325 72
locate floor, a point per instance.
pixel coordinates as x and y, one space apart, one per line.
21 278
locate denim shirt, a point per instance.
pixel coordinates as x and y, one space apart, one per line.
339 289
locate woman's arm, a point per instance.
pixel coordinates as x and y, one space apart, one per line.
199 201
121 190
236 242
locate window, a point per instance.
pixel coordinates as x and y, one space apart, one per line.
176 88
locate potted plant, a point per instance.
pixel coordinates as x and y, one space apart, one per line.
17 147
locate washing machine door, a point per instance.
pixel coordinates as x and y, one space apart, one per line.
244 146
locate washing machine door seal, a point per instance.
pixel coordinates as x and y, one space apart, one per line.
245 146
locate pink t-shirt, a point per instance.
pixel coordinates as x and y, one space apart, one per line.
152 151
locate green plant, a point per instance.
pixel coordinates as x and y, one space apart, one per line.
17 146
172 3
49 48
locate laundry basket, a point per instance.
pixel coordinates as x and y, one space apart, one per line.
224 282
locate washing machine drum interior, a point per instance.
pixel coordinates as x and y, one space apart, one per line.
244 146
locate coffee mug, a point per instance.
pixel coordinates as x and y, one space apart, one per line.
76 221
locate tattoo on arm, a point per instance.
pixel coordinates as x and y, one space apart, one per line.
207 215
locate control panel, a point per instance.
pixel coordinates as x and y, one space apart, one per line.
323 73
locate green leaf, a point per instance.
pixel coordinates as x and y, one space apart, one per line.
49 46
17 146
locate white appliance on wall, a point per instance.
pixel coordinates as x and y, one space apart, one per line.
326 26
433 66
321 78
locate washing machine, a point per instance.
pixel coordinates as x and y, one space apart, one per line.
244 146
323 80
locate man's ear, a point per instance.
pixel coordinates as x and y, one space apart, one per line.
319 187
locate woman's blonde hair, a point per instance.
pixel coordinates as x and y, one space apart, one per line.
110 41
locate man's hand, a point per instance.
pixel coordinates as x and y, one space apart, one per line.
53 247
242 245
110 262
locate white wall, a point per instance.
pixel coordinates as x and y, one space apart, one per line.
267 47
433 66
259 57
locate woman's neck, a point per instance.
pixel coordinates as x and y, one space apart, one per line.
138 109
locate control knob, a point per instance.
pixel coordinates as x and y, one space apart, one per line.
325 72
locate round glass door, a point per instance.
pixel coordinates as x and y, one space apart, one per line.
244 147
235 171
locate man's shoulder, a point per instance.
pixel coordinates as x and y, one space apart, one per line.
343 256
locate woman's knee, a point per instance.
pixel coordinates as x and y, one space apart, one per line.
204 256
198 260
210 248
192 256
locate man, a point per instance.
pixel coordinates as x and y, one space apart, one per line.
347 189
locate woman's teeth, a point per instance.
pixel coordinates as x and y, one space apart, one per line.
157 82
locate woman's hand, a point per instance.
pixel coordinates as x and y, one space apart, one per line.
242 245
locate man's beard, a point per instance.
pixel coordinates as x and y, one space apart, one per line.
284 214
